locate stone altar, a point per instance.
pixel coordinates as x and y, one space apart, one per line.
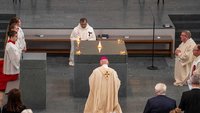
87 58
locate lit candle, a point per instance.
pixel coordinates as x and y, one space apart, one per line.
78 40
99 47
78 52
119 41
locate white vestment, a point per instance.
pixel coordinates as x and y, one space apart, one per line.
194 70
103 96
20 43
82 33
11 59
184 60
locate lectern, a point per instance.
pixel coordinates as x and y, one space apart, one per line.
87 56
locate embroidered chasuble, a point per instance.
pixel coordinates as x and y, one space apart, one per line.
103 96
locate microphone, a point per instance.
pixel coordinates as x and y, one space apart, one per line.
152 67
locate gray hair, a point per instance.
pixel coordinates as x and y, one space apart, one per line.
195 79
160 89
188 33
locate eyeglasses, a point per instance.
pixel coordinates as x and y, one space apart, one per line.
184 35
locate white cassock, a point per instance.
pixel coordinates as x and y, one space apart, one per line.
20 43
184 61
194 70
103 96
11 59
82 33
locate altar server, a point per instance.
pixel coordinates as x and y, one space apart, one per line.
11 56
82 32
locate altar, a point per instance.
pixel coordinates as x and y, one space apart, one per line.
87 56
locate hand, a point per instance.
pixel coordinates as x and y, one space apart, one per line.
177 52
24 50
178 110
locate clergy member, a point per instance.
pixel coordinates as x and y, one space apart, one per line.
104 86
11 56
81 32
184 58
195 68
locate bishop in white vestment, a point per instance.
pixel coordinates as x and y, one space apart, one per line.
104 86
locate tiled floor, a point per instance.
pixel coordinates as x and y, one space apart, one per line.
141 82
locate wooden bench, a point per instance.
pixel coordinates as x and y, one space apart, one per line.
165 41
49 44
61 44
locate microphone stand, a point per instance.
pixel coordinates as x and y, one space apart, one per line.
152 67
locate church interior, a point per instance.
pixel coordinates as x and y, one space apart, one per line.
47 25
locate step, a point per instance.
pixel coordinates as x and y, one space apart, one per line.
186 22
7 16
187 25
4 21
191 30
3 26
2 35
181 17
2 39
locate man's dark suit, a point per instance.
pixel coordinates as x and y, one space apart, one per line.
190 101
160 104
